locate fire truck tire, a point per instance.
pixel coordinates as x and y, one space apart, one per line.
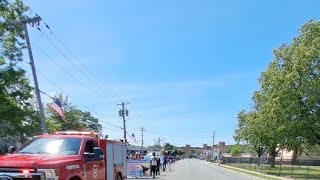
75 178
119 177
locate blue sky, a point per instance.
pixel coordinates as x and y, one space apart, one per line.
186 67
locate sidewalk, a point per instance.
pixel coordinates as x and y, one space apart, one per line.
259 174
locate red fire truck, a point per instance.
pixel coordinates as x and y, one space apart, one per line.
66 155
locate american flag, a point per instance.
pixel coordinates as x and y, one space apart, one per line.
56 106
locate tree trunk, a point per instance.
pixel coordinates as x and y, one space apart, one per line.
258 160
259 151
272 158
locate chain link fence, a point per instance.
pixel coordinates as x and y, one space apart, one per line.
300 168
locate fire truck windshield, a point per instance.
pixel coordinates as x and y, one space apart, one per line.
53 146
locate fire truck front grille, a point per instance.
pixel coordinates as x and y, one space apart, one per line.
17 174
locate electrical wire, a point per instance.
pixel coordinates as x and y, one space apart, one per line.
109 92
75 65
69 74
71 96
177 137
73 76
77 59
74 99
83 66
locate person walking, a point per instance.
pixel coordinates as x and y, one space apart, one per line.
169 163
153 165
164 165
158 166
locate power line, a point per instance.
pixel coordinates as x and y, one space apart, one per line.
76 66
76 58
73 77
98 119
175 137
83 66
75 100
38 91
68 59
54 84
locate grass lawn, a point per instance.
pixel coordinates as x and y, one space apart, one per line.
297 172
253 174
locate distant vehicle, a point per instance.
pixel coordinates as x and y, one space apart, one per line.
67 155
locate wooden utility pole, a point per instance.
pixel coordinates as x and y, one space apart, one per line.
142 129
24 22
123 113
213 144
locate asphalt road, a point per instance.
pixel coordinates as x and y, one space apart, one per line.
193 169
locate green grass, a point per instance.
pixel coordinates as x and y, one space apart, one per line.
296 172
253 174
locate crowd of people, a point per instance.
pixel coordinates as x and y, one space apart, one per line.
156 165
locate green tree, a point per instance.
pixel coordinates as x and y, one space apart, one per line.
286 108
250 131
75 119
236 150
168 147
17 115
301 65
91 122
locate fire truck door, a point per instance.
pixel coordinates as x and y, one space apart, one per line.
95 169
110 162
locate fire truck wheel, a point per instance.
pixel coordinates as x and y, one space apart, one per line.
119 177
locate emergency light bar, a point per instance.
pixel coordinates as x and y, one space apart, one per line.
86 133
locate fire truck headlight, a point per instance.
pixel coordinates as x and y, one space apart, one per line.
51 174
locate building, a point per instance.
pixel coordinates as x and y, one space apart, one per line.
133 150
223 148
216 152
207 152
189 151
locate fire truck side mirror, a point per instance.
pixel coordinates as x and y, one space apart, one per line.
98 154
11 149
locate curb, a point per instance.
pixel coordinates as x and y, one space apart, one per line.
253 173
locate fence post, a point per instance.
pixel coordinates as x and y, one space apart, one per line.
261 164
299 162
255 166
308 168
292 163
280 166
270 167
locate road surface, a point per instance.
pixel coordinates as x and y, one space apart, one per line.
193 169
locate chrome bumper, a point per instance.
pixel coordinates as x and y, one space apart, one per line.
16 174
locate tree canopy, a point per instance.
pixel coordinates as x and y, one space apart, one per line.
286 109
75 119
18 112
